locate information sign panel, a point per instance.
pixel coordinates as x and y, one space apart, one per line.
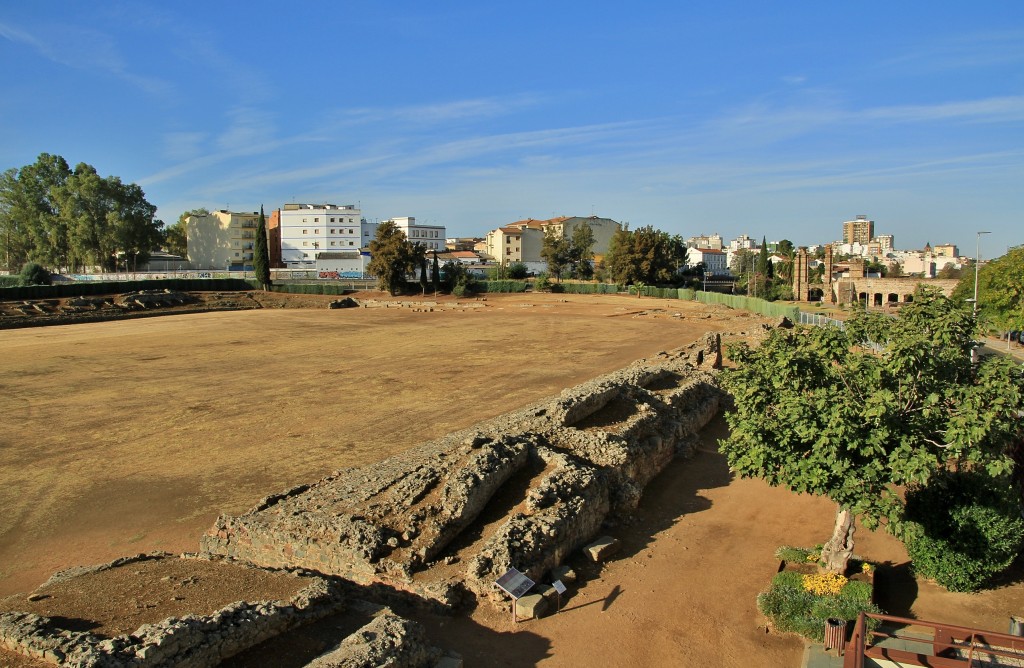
515 583
559 587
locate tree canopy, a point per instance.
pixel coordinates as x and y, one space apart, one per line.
391 257
646 255
68 219
556 251
261 252
1000 290
819 411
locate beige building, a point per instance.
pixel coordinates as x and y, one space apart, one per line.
859 230
523 240
222 240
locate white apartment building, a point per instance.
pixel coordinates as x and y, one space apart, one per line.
715 260
742 242
431 236
307 230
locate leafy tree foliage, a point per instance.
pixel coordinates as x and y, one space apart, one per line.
391 257
556 251
817 412
261 253
70 219
1000 290
176 235
435 275
581 251
646 255
34 273
963 528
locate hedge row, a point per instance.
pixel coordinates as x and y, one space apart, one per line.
87 288
590 288
500 286
310 288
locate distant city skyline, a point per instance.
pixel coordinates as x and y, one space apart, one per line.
735 118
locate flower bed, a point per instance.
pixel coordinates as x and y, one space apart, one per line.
801 597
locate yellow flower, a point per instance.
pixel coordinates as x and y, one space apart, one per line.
866 568
824 584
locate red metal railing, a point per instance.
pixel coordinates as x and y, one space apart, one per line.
949 646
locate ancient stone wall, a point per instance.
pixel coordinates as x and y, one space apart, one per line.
192 640
598 443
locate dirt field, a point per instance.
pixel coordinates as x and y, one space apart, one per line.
131 436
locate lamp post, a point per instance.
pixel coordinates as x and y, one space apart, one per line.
977 261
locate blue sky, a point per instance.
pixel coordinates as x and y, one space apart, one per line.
771 119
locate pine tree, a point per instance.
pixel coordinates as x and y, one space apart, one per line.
261 255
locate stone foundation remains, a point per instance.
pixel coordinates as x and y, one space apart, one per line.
588 454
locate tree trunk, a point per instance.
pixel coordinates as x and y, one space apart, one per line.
837 551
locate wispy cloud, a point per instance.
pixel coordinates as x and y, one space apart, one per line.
972 51
84 49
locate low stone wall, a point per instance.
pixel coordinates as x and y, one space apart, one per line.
192 640
388 640
604 440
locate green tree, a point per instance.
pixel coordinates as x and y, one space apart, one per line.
1000 290
581 251
391 257
435 275
556 251
261 252
419 261
817 412
66 219
176 235
646 255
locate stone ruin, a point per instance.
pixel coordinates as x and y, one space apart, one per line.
554 473
436 525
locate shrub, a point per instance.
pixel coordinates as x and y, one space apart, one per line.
962 529
10 281
792 608
517 271
542 282
35 274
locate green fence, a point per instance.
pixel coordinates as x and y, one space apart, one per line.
589 288
766 308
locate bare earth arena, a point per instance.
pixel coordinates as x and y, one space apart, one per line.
132 436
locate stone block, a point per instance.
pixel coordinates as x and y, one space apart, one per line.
602 548
531 605
563 573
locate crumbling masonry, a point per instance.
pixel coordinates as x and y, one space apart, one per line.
585 456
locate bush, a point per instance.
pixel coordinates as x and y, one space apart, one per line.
791 608
963 529
35 274
517 271
542 282
13 281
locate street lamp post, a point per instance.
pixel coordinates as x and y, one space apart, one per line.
977 262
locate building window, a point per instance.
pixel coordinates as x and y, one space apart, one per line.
350 232
351 243
332 220
305 231
305 243
332 243
316 231
303 220
316 220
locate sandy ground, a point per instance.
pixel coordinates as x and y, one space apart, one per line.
131 436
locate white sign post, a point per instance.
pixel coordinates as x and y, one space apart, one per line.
559 590
515 584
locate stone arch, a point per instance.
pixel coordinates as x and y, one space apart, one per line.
908 298
876 299
815 294
892 298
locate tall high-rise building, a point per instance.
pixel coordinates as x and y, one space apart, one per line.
860 230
